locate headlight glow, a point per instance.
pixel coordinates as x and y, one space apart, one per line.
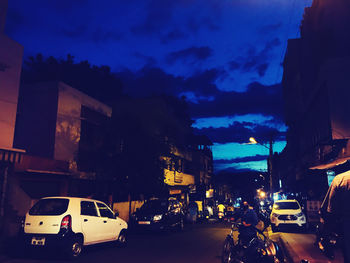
157 217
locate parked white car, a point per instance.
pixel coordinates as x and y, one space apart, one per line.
69 223
287 212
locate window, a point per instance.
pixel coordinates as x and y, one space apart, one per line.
88 208
49 207
105 211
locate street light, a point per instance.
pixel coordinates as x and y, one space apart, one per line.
252 140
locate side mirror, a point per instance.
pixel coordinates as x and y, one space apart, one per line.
116 214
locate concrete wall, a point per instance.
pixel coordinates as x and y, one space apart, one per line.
68 124
10 69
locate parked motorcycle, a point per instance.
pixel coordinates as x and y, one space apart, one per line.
260 249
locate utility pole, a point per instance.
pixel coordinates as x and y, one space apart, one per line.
270 170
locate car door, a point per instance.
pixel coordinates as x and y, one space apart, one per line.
90 222
109 224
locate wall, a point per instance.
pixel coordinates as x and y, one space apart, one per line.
123 208
36 119
10 69
68 124
176 178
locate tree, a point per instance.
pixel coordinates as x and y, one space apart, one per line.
96 81
145 129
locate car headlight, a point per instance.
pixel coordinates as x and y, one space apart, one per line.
157 217
274 215
300 214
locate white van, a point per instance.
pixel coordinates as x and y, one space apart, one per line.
69 223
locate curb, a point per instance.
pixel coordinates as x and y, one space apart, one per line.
287 250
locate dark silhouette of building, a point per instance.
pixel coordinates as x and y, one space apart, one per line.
316 93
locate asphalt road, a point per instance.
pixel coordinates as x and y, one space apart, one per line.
201 243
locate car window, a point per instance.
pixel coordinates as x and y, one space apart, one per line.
49 207
88 208
286 205
105 211
155 206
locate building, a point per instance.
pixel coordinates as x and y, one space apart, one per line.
315 85
11 54
188 171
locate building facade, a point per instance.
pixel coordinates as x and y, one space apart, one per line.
11 54
315 85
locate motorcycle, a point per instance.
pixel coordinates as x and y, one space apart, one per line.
326 240
260 249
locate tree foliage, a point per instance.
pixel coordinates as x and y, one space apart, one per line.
96 81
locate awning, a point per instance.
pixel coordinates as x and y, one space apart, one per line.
331 165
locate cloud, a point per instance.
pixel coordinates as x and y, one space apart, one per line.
149 61
194 24
239 132
258 99
173 35
191 53
203 82
208 100
149 81
254 60
267 29
253 158
97 35
159 14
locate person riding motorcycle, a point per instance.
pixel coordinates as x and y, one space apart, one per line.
249 220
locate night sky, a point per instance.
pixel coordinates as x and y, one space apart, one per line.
224 56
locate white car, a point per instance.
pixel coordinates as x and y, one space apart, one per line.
287 212
69 223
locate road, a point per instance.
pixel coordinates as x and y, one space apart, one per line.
198 243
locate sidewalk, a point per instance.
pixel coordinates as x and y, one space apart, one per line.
301 246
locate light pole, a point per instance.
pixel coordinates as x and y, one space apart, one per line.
252 140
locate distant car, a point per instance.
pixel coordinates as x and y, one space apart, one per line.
158 214
287 212
69 223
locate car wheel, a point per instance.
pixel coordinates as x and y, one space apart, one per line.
75 247
274 228
122 238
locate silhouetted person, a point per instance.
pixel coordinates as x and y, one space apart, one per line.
337 210
249 220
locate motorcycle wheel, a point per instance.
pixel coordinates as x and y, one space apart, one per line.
227 251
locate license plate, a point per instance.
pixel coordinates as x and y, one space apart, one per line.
38 241
144 222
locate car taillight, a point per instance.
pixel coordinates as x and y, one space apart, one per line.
66 222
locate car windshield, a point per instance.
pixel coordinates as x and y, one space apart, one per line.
49 207
286 205
155 206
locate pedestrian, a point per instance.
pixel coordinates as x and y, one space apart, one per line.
337 209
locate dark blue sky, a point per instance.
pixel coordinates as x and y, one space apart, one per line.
224 55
